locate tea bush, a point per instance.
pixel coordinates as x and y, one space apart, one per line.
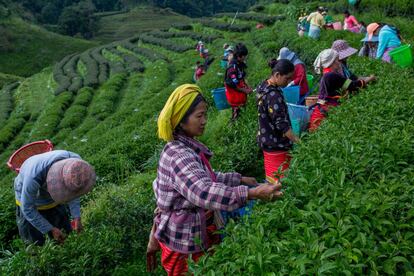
193 35
164 43
225 26
347 194
117 222
181 26
49 120
147 53
6 101
132 63
91 78
258 17
77 111
106 100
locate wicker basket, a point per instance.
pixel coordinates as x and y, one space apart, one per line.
19 156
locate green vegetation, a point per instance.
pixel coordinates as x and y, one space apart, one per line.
32 48
348 195
138 20
7 79
348 192
6 101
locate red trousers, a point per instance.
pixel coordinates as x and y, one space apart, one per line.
175 263
273 161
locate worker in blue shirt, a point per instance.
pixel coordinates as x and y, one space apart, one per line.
47 184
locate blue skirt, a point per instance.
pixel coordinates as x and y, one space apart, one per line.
314 31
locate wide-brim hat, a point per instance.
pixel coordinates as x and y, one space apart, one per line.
371 28
285 53
343 49
69 179
374 38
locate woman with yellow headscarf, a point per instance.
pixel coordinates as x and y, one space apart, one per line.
189 194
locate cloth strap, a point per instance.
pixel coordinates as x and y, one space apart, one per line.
43 207
218 218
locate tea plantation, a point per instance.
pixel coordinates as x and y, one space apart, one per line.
349 193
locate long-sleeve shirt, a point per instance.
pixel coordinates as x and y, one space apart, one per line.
333 85
274 119
31 188
387 37
184 191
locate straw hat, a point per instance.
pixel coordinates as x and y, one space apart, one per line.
343 49
69 178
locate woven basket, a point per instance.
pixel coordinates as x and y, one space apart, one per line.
19 156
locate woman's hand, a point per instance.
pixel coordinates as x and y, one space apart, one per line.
58 235
292 137
246 90
268 192
249 181
77 225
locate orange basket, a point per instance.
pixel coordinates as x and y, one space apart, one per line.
20 155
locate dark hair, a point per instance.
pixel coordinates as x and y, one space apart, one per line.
346 12
191 109
281 66
240 50
362 23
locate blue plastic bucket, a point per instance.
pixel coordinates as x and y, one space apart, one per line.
223 64
220 100
301 114
291 94
295 126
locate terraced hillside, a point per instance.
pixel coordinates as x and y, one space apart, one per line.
117 26
348 199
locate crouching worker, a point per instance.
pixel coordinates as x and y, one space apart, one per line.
47 184
189 194
333 85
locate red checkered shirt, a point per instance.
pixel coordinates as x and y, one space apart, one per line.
184 190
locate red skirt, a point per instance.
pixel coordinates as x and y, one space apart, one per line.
318 115
273 161
175 263
236 98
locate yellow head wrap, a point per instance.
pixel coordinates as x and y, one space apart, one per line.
175 108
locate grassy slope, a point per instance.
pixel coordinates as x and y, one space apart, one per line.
34 48
121 26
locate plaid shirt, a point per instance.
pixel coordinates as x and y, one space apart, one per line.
184 191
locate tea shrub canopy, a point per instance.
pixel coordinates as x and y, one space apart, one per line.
348 195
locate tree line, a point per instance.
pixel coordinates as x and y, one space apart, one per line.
72 17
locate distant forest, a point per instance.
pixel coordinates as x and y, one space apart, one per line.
77 16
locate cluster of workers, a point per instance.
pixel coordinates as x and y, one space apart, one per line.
191 197
380 38
201 67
